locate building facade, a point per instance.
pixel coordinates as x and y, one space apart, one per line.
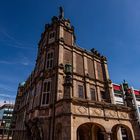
6 112
68 95
120 93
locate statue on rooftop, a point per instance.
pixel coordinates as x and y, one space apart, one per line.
61 12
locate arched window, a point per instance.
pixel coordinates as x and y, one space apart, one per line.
122 132
90 131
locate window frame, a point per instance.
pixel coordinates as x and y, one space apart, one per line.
46 93
103 97
52 35
82 89
91 97
139 108
50 60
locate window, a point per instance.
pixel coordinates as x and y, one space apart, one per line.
92 94
80 91
46 92
124 133
50 60
103 95
139 109
52 35
100 71
118 95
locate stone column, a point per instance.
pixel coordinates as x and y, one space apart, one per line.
112 95
61 32
74 62
108 81
61 53
68 82
98 93
87 85
66 128
73 129
60 92
88 90
107 135
85 64
96 71
106 69
96 77
119 134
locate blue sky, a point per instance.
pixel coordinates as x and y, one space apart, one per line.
112 27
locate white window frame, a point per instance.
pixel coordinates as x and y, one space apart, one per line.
47 93
49 62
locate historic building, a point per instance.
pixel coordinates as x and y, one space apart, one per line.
68 95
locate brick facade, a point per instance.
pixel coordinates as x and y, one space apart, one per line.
68 92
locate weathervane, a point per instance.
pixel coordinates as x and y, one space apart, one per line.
61 12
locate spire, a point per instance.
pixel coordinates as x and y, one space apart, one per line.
61 12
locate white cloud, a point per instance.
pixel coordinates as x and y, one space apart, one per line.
2 102
22 61
11 41
7 96
7 92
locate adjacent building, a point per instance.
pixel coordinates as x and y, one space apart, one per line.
68 95
120 97
6 112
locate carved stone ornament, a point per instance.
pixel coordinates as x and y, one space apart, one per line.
123 115
82 110
112 113
98 112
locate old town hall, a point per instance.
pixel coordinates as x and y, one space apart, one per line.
68 95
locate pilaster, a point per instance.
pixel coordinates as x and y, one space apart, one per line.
61 54
74 62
